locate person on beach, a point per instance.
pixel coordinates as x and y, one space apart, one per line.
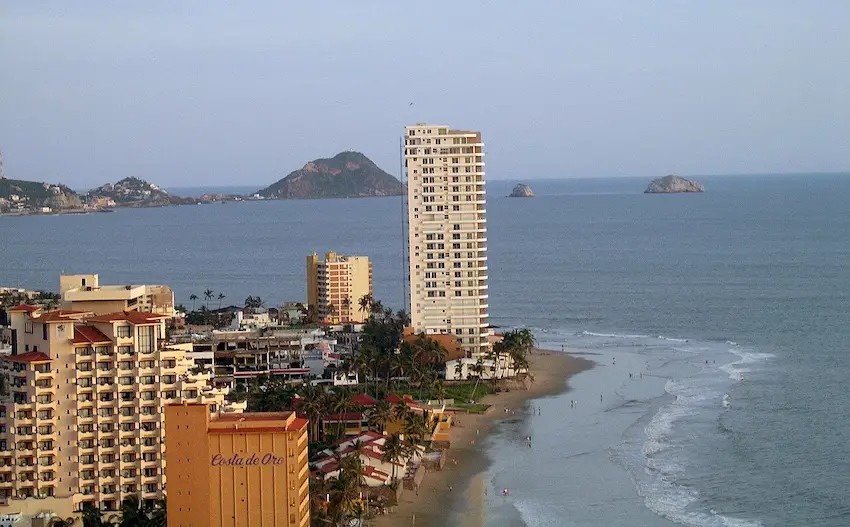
600 397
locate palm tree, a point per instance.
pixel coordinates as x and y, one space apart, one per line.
193 297
366 303
93 518
208 295
440 389
459 369
428 351
394 451
312 314
158 514
380 415
220 297
477 369
133 512
314 404
401 411
343 404
415 428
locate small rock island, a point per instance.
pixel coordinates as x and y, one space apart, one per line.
673 185
521 191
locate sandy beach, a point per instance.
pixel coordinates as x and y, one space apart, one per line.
551 371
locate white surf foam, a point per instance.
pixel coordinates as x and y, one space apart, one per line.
612 335
726 402
664 459
738 368
671 339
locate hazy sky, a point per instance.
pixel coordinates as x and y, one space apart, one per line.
225 93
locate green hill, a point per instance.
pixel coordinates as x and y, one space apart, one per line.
346 175
19 194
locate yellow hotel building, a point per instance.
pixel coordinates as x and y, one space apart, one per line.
236 470
82 399
336 284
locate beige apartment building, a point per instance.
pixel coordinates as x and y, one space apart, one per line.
447 229
83 292
82 402
336 284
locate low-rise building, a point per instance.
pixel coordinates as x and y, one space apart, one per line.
83 292
369 445
236 470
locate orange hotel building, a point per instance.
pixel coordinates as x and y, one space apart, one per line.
236 470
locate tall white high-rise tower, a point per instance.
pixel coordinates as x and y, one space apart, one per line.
447 234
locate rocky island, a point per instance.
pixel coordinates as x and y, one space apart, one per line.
346 175
673 185
521 191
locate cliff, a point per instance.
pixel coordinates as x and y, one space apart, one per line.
673 185
16 194
346 175
521 191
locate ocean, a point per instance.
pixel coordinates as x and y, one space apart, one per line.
729 309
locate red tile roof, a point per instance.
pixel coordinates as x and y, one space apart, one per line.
364 400
30 356
24 307
133 317
394 398
61 315
89 335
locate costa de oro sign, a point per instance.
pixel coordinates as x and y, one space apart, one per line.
253 460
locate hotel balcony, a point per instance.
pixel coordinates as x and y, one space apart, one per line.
46 375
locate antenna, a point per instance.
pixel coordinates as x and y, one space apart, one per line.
404 246
2 175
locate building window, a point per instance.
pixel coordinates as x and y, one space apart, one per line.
145 340
124 332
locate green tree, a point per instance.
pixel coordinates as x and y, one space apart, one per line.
379 415
193 297
342 404
208 295
220 297
394 451
92 517
270 394
366 303
314 404
478 370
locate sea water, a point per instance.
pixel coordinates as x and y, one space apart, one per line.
751 276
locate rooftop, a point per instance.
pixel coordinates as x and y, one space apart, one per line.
89 335
23 308
31 356
133 317
61 315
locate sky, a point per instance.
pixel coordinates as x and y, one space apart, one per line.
213 93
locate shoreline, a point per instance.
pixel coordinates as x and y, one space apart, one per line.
551 371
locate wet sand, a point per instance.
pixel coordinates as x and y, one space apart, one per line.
441 499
